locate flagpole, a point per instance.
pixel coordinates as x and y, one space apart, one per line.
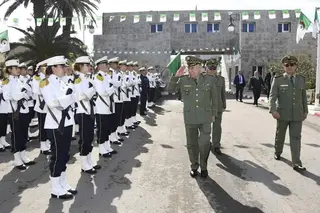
317 91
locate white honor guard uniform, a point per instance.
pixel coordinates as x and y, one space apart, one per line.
3 120
136 91
152 87
59 121
85 115
117 82
41 107
105 108
15 92
26 79
126 96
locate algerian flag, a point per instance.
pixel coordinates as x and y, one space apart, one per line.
174 64
4 42
303 25
315 24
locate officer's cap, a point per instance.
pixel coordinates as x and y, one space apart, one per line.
12 63
83 60
212 63
114 60
56 60
130 63
142 69
150 68
102 60
289 59
124 62
193 61
30 68
135 63
22 65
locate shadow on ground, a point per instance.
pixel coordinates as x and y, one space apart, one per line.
250 171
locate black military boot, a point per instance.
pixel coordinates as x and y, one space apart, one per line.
193 173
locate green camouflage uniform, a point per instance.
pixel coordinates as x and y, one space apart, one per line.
288 98
199 106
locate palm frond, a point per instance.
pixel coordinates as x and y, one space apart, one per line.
12 8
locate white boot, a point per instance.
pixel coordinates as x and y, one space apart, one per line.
112 137
2 149
74 130
34 122
44 148
57 191
91 163
8 129
118 131
123 129
17 162
4 143
102 149
85 166
65 185
25 159
33 134
109 149
48 144
131 121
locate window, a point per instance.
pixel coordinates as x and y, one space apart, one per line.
213 27
190 28
248 27
155 28
284 27
260 70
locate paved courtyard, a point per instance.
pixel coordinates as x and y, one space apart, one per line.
151 172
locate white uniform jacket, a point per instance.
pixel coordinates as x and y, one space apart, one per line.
84 92
117 84
152 80
3 104
54 92
126 87
105 90
135 82
28 80
37 94
16 92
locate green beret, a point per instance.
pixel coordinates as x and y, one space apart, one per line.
193 61
212 63
289 59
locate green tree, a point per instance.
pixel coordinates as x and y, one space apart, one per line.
44 43
306 68
69 8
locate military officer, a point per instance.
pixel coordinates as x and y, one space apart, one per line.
200 102
211 67
152 87
136 78
144 90
288 105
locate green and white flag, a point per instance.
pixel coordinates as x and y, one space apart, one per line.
297 12
303 25
245 15
204 16
149 18
315 24
4 42
192 17
217 16
163 18
136 18
39 22
285 14
272 14
50 22
123 18
63 21
257 15
176 17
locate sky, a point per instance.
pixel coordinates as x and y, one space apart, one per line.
307 7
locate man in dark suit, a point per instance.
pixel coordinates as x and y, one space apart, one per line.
267 83
144 91
240 83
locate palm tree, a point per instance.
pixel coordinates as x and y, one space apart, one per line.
67 8
44 43
38 6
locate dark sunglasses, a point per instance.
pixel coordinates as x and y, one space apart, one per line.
212 68
291 65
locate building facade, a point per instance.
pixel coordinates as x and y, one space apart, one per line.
259 41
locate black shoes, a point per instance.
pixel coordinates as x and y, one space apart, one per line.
204 173
217 151
299 168
277 157
194 173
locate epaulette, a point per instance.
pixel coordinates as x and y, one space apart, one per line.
44 83
109 72
5 81
37 77
77 80
100 77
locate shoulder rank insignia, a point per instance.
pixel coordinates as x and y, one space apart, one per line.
44 83
100 77
37 77
77 80
5 81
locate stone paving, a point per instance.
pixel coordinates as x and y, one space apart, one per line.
150 173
